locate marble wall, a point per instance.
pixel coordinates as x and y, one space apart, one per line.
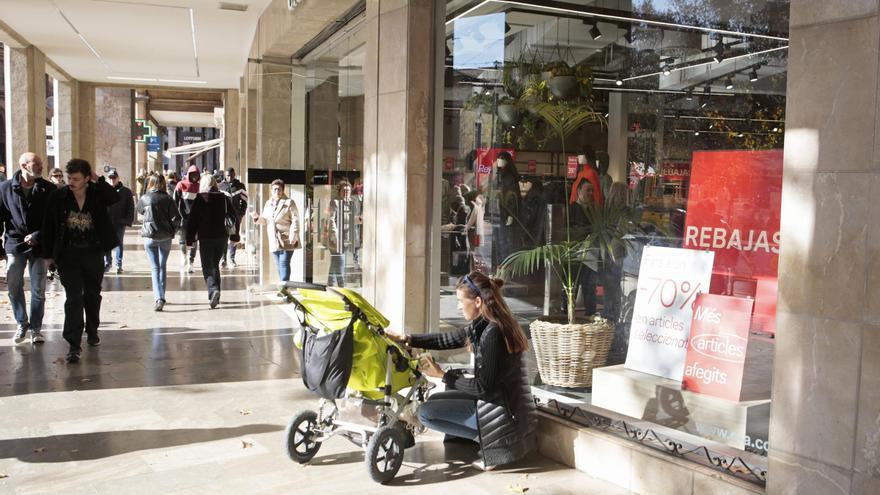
825 419
68 130
25 101
113 131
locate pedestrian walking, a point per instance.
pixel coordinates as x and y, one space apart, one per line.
281 217
213 223
76 232
161 220
184 195
57 177
121 216
238 192
23 201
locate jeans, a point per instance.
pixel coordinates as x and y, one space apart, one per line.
157 252
210 252
587 283
282 261
15 280
231 252
336 277
451 412
120 234
81 273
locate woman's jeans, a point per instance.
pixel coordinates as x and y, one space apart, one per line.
451 412
336 277
157 252
282 261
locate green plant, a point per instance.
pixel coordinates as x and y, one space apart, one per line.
559 68
480 100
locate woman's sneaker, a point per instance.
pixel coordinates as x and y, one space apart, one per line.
37 337
159 305
20 334
479 464
215 299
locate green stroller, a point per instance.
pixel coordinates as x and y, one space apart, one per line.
360 376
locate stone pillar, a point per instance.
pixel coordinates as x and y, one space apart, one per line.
86 122
399 79
618 117
273 116
25 89
230 130
140 149
324 124
67 141
113 131
825 418
298 124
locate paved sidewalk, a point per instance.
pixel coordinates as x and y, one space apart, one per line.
194 400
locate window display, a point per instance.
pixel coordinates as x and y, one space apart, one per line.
620 165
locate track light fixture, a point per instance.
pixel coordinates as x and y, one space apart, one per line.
696 133
595 33
689 94
719 52
728 83
666 70
753 75
619 82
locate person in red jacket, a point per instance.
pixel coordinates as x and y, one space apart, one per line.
589 173
184 194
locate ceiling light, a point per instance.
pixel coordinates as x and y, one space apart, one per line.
753 76
696 133
712 125
182 81
192 25
594 31
619 82
606 115
689 94
666 70
728 83
740 135
775 129
123 78
237 7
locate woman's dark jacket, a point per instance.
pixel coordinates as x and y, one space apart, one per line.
99 195
506 417
161 216
207 217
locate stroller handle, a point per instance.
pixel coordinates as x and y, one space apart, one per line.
303 285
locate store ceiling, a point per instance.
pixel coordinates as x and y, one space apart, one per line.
149 42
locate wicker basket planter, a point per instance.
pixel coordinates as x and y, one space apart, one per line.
567 354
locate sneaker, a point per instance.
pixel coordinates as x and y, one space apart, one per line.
118 270
215 299
234 264
222 264
37 337
73 356
20 334
107 268
159 305
479 464
94 340
189 267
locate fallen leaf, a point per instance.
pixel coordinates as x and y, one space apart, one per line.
517 488
244 412
40 450
246 445
3 475
123 326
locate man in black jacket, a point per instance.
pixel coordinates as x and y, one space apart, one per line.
121 216
238 192
22 206
76 232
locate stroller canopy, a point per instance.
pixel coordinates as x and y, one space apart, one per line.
328 308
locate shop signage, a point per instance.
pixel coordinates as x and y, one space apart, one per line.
486 160
533 166
141 130
448 164
733 209
669 281
152 143
717 346
676 171
191 137
571 167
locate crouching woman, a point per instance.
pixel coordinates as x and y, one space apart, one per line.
494 407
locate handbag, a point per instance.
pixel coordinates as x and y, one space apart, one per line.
230 220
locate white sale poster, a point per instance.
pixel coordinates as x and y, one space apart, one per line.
669 281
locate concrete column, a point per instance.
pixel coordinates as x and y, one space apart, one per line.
86 122
618 117
298 123
399 78
113 131
273 116
230 130
140 149
825 417
66 101
324 124
25 89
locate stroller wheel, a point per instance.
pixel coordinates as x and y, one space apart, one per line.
384 454
298 438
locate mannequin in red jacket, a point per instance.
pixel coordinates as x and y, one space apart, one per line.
588 172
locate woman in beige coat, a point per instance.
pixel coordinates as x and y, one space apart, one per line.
281 217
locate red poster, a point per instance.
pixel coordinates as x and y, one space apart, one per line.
676 171
486 160
716 352
571 169
733 209
533 166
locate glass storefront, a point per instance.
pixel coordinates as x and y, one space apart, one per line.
625 157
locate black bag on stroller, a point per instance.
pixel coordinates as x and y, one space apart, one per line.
326 363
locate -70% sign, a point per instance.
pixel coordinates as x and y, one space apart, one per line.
670 292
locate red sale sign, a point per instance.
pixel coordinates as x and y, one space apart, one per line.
486 160
533 166
734 203
676 171
571 169
717 346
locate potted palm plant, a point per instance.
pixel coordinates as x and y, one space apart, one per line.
568 348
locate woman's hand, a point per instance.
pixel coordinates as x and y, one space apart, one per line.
396 337
430 367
